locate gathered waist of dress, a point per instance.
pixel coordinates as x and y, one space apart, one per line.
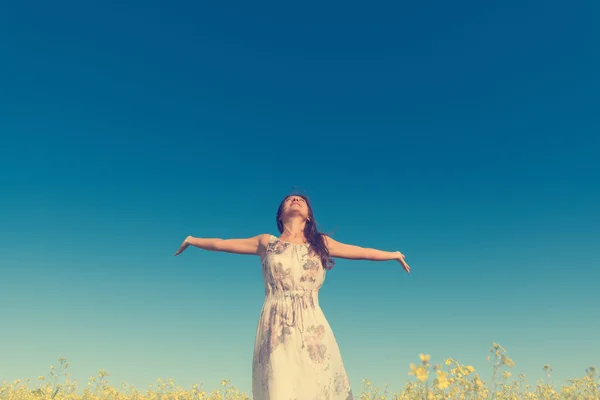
281 294
293 304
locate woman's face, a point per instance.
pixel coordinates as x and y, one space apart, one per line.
295 205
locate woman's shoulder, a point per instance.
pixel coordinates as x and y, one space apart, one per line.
264 240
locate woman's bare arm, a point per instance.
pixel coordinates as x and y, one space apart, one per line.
240 246
237 246
342 250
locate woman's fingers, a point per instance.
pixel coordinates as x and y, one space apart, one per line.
404 265
183 246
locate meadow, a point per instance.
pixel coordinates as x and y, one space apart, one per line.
449 380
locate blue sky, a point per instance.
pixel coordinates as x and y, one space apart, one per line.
464 135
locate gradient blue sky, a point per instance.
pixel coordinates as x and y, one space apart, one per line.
463 134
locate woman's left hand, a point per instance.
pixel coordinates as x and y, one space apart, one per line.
401 261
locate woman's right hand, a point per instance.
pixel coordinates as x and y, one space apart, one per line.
183 246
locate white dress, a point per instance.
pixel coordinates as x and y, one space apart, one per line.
296 356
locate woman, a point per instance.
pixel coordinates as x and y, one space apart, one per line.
296 356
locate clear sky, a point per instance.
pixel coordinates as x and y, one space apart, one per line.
463 134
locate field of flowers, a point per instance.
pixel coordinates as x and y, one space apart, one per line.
449 380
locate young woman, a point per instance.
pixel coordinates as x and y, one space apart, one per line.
296 356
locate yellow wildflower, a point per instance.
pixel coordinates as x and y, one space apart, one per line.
420 372
442 380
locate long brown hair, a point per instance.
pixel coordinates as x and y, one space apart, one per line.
314 237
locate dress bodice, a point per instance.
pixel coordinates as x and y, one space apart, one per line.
290 267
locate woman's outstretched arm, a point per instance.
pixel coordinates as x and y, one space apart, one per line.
342 250
238 246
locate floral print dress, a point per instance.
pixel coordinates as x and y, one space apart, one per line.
296 356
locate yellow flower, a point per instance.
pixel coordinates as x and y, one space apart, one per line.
424 357
470 369
448 361
442 380
420 372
